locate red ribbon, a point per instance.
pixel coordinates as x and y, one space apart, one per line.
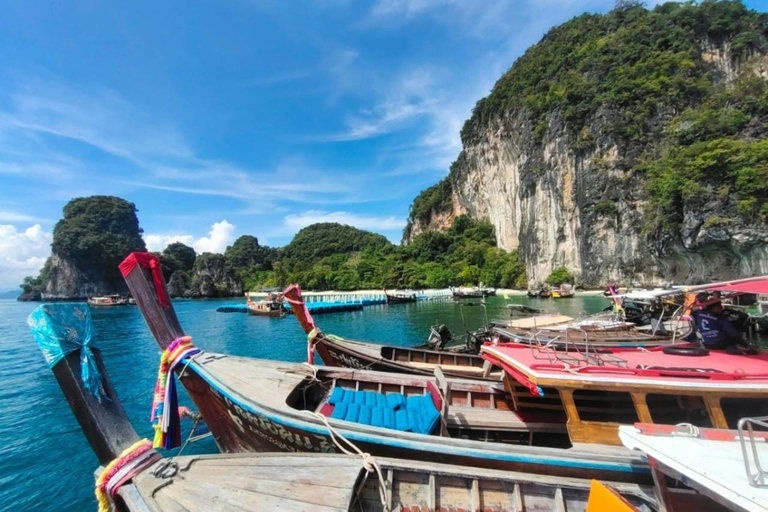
152 262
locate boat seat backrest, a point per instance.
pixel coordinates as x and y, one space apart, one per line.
416 413
444 390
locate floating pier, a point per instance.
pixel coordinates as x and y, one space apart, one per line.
316 308
334 302
232 308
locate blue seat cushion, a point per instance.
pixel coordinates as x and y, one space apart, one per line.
389 418
365 415
401 421
337 396
414 402
339 411
415 413
353 413
414 420
377 417
370 398
395 400
430 416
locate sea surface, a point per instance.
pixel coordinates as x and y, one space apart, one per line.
45 461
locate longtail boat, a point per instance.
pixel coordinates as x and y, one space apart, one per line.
107 301
472 293
599 389
254 405
608 334
136 478
562 293
724 466
340 352
400 297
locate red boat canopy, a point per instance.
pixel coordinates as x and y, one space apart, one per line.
758 286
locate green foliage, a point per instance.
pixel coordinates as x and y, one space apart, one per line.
632 60
325 239
97 233
686 176
560 276
436 198
36 284
606 208
465 254
177 256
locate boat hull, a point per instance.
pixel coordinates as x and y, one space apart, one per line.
394 299
240 425
274 313
345 356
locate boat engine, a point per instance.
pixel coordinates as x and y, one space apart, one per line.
439 336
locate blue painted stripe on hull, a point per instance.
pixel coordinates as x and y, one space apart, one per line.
417 445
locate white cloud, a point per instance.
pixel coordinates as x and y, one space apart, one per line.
10 216
156 243
219 237
298 221
22 253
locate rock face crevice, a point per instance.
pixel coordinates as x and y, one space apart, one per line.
577 197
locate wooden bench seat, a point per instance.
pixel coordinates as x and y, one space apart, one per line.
495 419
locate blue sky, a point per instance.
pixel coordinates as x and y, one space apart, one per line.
243 116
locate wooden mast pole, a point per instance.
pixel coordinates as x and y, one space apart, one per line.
162 321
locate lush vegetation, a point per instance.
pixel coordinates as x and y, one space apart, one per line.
560 275
631 60
336 257
652 83
434 199
96 233
714 154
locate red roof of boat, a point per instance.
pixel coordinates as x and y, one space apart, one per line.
758 286
530 366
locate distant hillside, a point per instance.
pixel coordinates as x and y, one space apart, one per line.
628 146
10 294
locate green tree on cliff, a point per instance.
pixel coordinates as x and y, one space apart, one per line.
95 235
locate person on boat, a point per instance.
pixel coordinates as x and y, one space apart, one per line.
716 331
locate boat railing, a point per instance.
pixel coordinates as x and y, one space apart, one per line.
577 354
752 465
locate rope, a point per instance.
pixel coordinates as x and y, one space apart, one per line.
686 429
128 464
369 462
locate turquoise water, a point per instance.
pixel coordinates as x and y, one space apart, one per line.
46 463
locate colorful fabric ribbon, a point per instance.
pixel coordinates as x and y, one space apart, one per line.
61 329
152 262
165 405
131 461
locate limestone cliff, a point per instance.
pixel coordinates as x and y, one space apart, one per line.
588 152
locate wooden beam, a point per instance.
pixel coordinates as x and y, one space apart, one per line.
162 322
105 424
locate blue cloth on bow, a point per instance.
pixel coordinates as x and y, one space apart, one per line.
61 329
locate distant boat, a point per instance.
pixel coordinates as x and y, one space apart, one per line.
472 293
400 297
560 293
108 301
271 306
